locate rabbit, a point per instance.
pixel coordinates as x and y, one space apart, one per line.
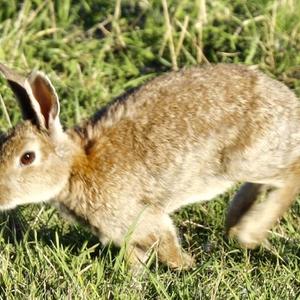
242 201
181 138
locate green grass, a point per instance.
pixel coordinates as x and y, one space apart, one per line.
95 50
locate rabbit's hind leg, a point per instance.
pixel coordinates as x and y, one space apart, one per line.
242 201
253 227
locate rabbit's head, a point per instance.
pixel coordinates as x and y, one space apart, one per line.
34 155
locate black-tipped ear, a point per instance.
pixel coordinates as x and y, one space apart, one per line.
17 84
37 98
11 75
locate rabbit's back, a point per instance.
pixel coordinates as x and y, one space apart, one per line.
202 101
228 105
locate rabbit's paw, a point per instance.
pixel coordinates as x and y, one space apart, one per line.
249 233
185 262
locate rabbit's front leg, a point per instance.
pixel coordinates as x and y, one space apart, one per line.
171 253
253 227
157 234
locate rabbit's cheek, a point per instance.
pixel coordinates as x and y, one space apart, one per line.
6 198
26 185
36 191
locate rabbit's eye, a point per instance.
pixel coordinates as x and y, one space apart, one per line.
27 158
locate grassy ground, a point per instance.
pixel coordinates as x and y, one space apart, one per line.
93 51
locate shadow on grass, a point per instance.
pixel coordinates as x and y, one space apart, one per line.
13 226
15 230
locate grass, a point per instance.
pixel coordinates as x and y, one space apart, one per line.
95 50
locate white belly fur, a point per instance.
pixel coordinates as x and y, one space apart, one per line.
203 192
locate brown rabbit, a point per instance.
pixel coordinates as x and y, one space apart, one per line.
181 138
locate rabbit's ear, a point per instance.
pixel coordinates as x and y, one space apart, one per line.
17 84
37 98
45 101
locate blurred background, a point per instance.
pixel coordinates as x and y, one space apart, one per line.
94 50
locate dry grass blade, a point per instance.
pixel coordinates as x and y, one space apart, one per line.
201 21
182 35
5 111
116 26
42 33
169 35
53 17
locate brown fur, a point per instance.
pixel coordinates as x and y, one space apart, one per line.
183 137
